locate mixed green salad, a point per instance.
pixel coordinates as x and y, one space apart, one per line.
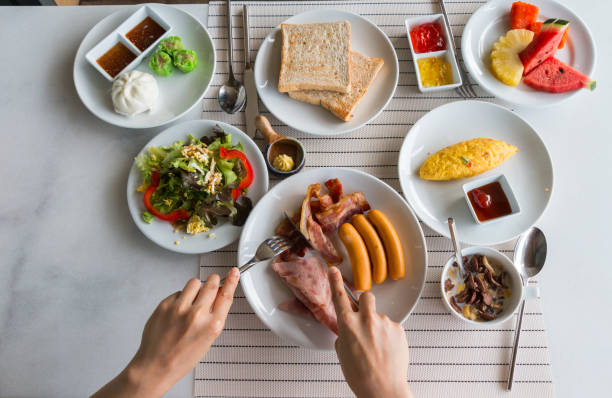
194 184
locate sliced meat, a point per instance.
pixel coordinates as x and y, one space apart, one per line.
307 279
313 231
335 215
295 306
335 188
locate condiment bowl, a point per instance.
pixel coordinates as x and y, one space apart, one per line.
513 280
278 145
119 36
448 54
503 181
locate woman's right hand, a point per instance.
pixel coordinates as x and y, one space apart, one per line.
372 349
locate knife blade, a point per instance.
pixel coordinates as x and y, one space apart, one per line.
302 238
252 109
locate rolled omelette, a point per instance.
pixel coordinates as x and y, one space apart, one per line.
466 159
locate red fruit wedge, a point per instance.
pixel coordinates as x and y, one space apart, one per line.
522 15
554 76
544 45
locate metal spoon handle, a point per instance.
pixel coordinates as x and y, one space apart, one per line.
230 48
456 245
517 335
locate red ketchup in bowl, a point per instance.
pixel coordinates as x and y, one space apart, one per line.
489 201
427 37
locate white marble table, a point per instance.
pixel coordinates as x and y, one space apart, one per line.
78 280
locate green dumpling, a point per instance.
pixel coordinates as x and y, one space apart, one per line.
170 45
161 63
185 60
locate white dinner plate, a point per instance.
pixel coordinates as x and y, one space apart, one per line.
178 93
265 290
161 232
529 172
492 20
366 38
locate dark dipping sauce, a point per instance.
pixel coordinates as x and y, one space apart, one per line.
489 201
116 59
145 33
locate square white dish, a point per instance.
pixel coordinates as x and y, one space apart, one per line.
118 36
448 54
503 181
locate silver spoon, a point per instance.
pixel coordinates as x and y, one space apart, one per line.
529 258
456 246
232 95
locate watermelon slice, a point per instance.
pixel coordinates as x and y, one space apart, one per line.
544 45
554 76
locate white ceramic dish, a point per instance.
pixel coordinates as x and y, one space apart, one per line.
366 38
178 93
514 283
506 187
492 20
448 54
161 232
530 170
118 36
265 290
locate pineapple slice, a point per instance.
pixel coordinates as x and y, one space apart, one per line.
505 61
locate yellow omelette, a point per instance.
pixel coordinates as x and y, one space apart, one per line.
466 159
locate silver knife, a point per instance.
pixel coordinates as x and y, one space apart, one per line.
252 109
304 239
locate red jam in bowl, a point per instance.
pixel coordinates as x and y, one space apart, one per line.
427 37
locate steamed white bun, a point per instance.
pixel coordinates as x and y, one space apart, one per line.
134 92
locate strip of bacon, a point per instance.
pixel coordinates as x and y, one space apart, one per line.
335 215
313 231
307 279
335 188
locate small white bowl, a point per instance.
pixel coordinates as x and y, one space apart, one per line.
514 206
118 36
448 54
518 292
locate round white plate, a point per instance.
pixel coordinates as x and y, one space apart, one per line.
529 172
178 93
161 232
492 20
265 290
366 38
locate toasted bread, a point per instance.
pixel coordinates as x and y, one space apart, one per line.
363 71
315 56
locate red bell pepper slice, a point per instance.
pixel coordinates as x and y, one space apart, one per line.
175 215
248 179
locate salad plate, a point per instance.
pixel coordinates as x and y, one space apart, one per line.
178 93
220 235
265 290
366 38
529 172
492 20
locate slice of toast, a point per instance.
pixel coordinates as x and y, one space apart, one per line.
315 56
363 71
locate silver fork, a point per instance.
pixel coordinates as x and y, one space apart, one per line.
465 90
267 249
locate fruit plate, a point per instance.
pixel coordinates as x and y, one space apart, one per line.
492 20
529 172
264 289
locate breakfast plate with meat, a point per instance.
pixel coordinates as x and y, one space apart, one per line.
342 212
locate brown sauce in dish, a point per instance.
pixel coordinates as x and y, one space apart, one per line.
116 59
145 33
489 201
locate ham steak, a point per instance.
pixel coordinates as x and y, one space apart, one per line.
307 279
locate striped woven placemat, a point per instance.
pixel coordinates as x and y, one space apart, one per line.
448 358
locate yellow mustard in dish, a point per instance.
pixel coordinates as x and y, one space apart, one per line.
435 72
283 162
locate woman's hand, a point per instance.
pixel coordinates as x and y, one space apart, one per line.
372 349
177 335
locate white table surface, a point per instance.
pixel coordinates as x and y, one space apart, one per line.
78 280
